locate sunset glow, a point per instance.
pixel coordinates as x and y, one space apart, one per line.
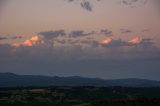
34 40
106 41
135 40
93 38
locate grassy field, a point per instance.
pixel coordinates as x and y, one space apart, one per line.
79 96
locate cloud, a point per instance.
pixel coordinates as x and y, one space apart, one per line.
86 5
136 41
125 31
116 49
92 43
129 2
52 34
79 33
62 41
111 43
13 37
134 2
81 0
75 60
83 42
73 41
34 40
106 41
106 32
3 38
16 37
119 59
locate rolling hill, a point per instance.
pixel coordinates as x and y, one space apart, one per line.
14 80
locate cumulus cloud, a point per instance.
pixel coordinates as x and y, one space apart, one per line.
116 49
111 43
136 41
34 40
106 41
78 40
76 60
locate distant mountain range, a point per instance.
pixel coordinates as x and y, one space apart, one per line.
14 80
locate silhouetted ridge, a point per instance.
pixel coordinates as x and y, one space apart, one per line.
14 80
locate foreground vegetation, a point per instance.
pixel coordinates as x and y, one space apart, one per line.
80 96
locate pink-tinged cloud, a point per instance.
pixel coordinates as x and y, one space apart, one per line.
106 41
135 40
34 40
27 43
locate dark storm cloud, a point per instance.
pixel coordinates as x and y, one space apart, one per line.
79 33
52 34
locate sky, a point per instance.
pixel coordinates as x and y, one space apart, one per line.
108 39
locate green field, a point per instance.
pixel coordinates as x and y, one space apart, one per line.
79 96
